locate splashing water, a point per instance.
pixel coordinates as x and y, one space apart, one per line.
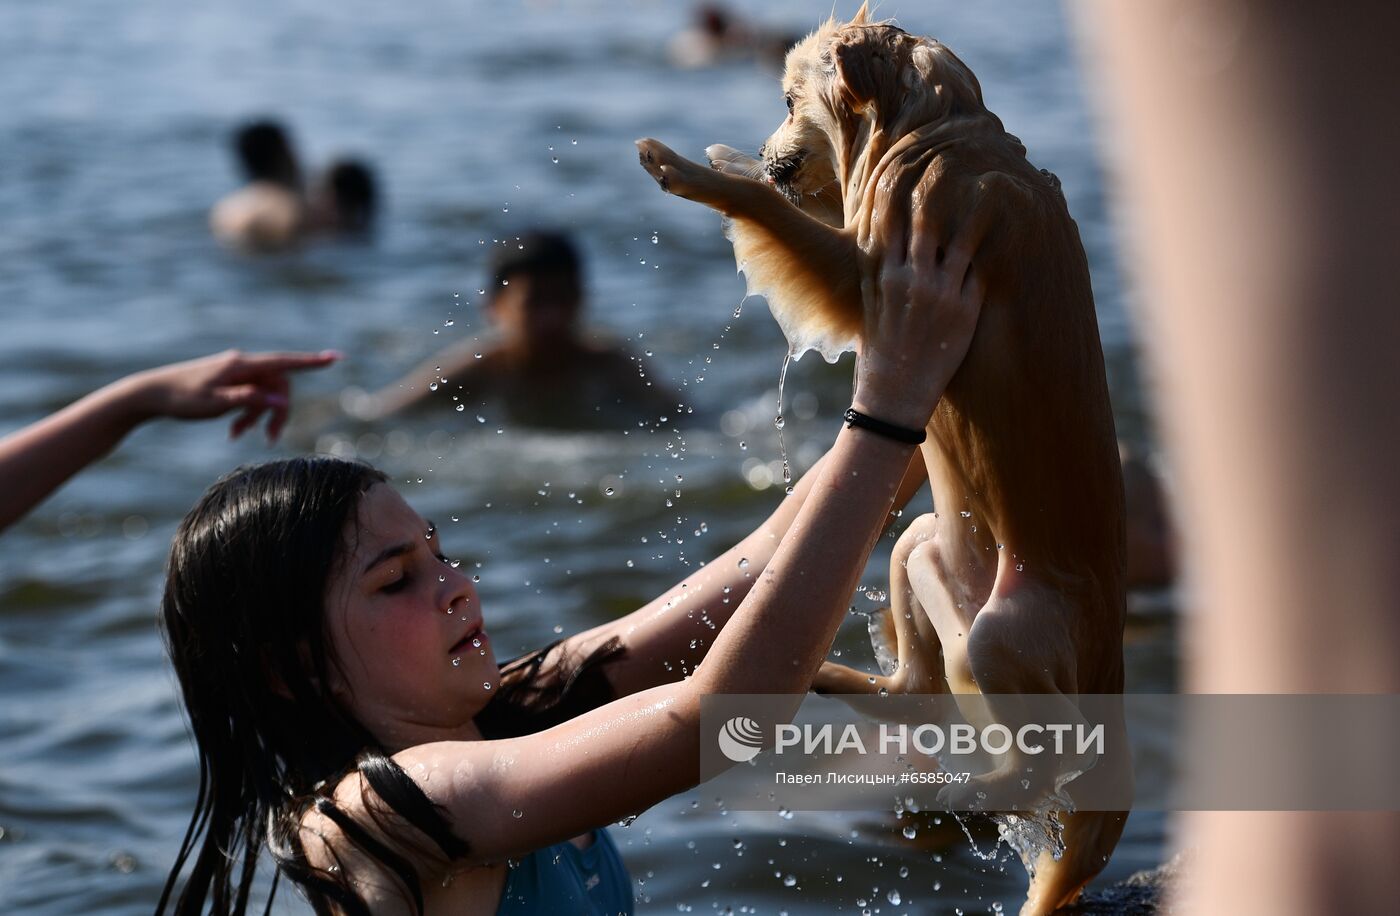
1032 833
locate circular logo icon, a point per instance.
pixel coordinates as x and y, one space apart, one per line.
740 739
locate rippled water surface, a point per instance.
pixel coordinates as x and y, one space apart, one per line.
113 119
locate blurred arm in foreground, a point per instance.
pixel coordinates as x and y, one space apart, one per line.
1256 151
38 459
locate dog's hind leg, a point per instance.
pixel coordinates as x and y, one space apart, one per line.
1020 644
902 630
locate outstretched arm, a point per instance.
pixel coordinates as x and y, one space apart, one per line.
38 459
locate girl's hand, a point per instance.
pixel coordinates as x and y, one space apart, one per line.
919 319
256 383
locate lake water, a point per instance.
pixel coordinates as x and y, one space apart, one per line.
113 121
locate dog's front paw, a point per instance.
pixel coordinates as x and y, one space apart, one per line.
673 172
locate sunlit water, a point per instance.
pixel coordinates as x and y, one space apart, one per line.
480 121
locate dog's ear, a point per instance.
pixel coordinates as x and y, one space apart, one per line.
866 64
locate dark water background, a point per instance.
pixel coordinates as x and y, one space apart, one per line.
113 120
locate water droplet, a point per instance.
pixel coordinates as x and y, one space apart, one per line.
743 562
457 662
517 813
1020 567
790 881
893 897
448 323
476 642
461 407
608 491
654 238
486 685
965 514
876 594
779 422
910 831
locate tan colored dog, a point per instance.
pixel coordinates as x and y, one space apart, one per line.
1016 584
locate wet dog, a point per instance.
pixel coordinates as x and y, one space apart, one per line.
1015 585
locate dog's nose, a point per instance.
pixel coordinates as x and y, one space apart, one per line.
782 170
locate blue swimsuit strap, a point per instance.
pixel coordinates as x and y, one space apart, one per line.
565 880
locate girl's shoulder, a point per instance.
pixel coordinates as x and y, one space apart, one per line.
375 835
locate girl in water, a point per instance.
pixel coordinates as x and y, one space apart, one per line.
351 717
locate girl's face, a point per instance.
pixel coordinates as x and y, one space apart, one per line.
406 627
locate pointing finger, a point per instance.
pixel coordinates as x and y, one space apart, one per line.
289 362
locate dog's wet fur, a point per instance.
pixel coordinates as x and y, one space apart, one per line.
1015 585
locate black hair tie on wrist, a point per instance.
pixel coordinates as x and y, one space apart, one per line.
880 427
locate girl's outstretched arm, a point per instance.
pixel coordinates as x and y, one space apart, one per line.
36 460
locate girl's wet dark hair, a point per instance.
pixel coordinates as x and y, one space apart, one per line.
243 619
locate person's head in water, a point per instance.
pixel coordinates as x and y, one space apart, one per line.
347 197
304 604
265 154
536 290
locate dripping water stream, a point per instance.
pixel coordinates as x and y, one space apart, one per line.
779 422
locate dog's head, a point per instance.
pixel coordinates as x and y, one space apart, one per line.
854 75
